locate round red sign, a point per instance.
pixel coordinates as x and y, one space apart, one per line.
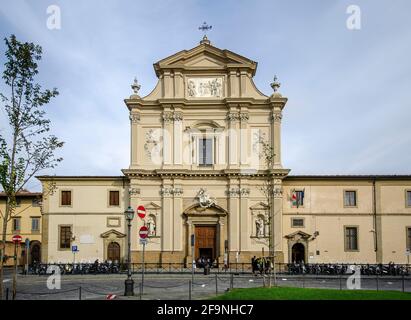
141 211
16 238
143 232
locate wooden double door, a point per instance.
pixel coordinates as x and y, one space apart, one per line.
205 242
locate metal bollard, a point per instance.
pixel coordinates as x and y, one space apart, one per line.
189 289
340 281
232 281
377 282
79 293
216 284
7 293
403 283
140 286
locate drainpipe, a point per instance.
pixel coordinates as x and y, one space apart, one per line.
374 209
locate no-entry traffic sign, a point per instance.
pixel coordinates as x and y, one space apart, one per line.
143 233
17 238
141 211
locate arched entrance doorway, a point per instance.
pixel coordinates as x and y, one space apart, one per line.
35 252
298 253
113 252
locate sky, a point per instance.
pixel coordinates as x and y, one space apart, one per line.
349 91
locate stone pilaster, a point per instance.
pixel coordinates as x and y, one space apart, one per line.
177 209
167 138
233 137
277 215
244 230
276 136
167 221
178 138
234 216
244 117
135 159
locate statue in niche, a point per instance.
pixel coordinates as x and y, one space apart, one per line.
151 226
259 227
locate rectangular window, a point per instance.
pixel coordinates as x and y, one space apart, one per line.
351 238
66 198
350 198
408 200
205 151
35 202
65 237
409 238
18 202
114 198
35 224
16 224
297 222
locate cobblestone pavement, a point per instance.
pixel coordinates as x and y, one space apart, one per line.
177 286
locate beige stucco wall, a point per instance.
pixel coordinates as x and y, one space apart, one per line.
88 215
25 211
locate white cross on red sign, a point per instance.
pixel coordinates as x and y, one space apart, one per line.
143 232
17 238
141 211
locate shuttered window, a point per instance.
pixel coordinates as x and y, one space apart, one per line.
350 198
409 238
114 198
65 237
16 224
66 198
205 148
408 199
351 238
35 224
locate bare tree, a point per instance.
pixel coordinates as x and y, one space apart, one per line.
267 188
26 147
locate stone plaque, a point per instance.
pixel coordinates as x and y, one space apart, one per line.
210 87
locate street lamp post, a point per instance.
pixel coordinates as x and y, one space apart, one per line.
129 283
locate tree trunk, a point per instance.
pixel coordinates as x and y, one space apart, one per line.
3 244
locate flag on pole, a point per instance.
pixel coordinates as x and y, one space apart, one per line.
294 198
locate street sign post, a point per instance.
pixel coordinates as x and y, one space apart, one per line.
16 240
27 242
143 233
74 249
193 263
141 211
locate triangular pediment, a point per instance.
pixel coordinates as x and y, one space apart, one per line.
113 232
214 210
259 206
152 205
205 56
204 61
298 234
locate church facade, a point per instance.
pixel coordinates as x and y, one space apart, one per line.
206 162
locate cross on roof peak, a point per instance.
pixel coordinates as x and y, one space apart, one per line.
204 28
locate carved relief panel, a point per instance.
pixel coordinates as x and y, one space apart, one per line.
205 87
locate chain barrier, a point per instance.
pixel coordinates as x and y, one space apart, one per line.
162 287
46 293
